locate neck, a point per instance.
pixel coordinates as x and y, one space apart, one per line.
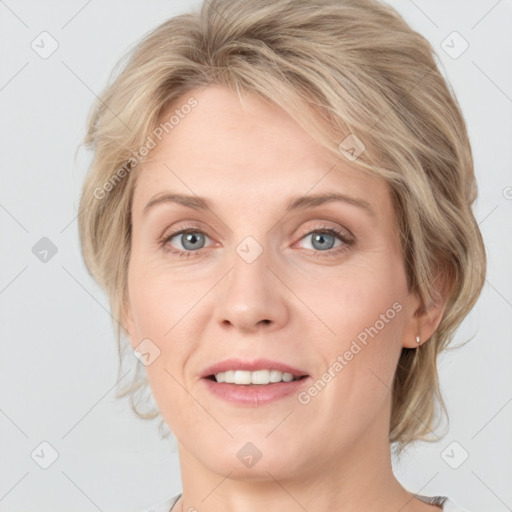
357 477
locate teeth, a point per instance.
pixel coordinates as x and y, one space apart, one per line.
257 377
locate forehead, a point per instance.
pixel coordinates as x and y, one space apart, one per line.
245 147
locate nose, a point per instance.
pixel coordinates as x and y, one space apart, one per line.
251 297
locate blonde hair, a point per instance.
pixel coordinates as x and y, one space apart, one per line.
340 68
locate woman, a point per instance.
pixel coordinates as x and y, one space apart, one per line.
279 208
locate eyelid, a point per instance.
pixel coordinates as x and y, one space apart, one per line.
319 226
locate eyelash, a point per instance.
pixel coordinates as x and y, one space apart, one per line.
346 245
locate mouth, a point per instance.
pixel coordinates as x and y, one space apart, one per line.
253 383
256 378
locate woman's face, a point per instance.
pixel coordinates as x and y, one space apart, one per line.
266 272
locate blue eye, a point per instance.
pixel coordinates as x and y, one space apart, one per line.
323 240
191 240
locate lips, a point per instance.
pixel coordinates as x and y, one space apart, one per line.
253 395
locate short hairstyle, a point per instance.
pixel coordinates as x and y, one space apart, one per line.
340 68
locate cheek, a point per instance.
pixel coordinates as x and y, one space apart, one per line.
364 310
362 296
360 360
157 302
166 310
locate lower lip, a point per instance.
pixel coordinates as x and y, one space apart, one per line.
253 395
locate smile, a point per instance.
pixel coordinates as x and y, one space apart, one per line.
259 377
253 382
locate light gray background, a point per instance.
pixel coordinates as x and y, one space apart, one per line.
58 366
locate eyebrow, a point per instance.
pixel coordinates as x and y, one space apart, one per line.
294 203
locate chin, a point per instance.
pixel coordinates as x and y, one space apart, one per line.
268 467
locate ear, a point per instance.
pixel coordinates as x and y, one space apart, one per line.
424 319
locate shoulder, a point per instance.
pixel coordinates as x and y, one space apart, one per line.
446 504
163 506
451 506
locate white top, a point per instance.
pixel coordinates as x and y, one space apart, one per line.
446 504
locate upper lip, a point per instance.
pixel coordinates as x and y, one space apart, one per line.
251 366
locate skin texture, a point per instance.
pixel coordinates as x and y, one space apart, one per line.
295 304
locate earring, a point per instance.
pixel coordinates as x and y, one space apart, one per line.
417 339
